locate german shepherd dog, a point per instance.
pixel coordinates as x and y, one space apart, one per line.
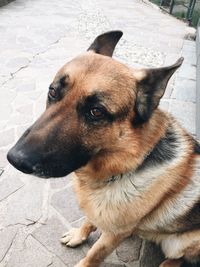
136 167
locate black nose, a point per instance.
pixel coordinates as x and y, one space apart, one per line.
19 160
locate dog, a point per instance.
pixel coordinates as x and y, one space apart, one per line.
136 167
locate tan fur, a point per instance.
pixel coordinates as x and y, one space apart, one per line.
183 245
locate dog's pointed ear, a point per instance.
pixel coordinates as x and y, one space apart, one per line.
151 85
105 43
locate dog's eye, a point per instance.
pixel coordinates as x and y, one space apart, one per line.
96 113
52 93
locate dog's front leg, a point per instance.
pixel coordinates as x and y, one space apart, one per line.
76 236
172 263
101 249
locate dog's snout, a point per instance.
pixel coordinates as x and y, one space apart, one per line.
19 160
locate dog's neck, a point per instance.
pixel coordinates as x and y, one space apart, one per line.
162 152
114 178
132 157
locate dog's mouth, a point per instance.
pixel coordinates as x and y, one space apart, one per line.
50 171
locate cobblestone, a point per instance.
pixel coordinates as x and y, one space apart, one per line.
185 113
34 254
65 202
125 251
154 253
6 137
185 90
188 70
37 38
23 207
26 87
3 159
9 185
56 262
49 235
6 235
62 182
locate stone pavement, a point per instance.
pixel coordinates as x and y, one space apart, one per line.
37 38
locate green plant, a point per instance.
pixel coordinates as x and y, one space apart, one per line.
181 11
157 2
195 17
180 14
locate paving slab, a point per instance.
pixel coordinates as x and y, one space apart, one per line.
185 90
155 255
9 184
188 70
66 203
49 235
32 255
24 206
7 137
6 235
125 251
185 113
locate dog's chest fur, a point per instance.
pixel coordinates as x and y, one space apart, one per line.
137 194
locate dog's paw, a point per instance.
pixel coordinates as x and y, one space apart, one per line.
80 264
73 238
85 263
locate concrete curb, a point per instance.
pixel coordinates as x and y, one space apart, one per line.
5 2
198 82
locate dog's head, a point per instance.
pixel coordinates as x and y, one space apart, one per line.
91 102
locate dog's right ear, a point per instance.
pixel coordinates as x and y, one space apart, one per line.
151 85
105 43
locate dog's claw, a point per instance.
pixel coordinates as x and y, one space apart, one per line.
72 238
65 239
65 235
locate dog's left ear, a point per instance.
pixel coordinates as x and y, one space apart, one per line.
151 85
105 43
